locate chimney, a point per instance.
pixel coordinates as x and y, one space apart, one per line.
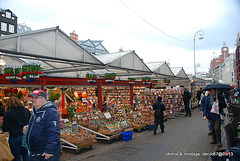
74 36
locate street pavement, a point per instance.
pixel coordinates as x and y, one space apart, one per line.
185 138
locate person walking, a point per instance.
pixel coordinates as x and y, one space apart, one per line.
214 117
236 96
186 99
15 118
203 100
135 100
43 131
198 96
159 107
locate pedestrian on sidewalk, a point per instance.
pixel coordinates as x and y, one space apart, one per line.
43 131
159 107
198 97
186 99
214 118
15 118
203 100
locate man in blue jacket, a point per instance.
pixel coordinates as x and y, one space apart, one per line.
43 131
214 118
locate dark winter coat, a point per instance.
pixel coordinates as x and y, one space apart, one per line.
203 100
199 95
14 120
186 96
159 107
208 107
44 130
2 110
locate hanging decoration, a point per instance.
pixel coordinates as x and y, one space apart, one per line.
166 81
12 73
110 77
91 77
154 81
131 80
146 79
31 71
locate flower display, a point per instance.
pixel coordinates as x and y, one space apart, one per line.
146 79
131 80
91 77
110 77
31 71
154 81
12 73
166 81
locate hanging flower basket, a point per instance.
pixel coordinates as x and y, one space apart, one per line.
166 81
146 79
154 81
31 71
91 77
131 80
110 77
12 73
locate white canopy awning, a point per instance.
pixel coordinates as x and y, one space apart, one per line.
179 72
160 69
59 55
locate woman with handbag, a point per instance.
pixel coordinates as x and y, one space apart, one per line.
15 118
212 109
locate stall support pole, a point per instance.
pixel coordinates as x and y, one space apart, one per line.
131 95
100 95
44 84
63 100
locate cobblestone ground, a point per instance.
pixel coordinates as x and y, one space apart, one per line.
185 138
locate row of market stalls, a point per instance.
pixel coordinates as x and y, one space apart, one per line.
83 85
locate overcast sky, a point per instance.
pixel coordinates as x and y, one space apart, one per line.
141 25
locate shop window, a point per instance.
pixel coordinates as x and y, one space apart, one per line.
11 28
3 26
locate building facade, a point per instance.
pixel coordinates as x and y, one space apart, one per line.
8 22
94 47
237 59
222 67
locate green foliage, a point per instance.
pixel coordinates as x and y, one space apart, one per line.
54 96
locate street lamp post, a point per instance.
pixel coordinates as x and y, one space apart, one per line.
200 33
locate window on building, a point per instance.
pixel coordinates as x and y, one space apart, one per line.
3 15
3 26
8 15
13 18
11 28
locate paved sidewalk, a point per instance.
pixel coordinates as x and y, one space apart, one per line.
185 138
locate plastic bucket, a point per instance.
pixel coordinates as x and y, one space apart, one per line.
127 135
